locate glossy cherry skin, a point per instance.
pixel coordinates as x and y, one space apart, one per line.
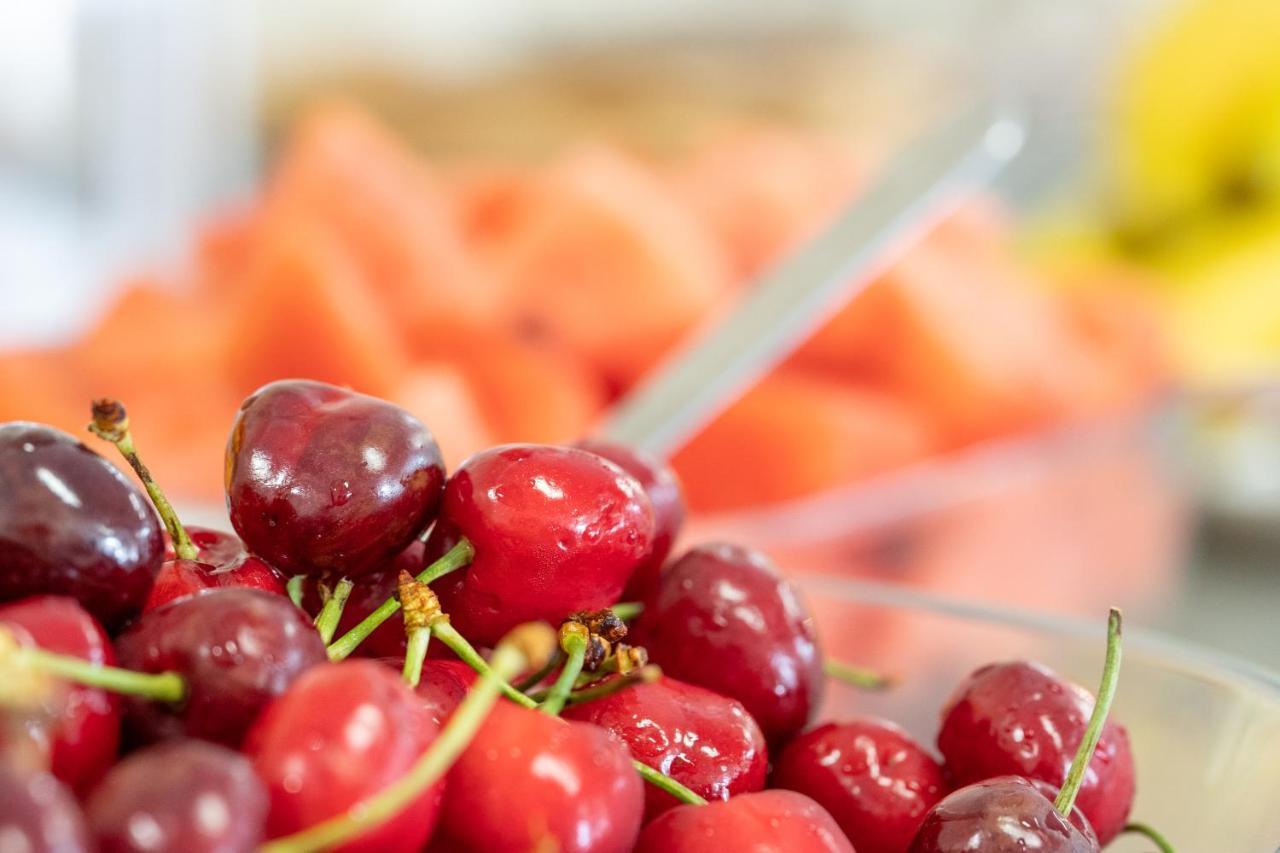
724 619
222 561
442 687
1023 719
1006 814
340 735
706 742
39 814
662 486
533 782
71 524
369 593
763 822
869 774
185 795
322 479
555 529
237 649
84 738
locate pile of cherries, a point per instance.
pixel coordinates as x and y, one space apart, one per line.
361 667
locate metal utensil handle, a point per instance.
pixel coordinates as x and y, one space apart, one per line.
920 186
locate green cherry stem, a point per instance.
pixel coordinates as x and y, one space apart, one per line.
296 587
331 613
527 645
1101 707
627 611
455 558
421 608
664 782
157 686
644 675
415 655
533 679
857 676
574 639
460 646
1162 844
111 423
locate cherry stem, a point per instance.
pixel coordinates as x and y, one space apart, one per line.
331 613
1093 732
459 645
574 639
643 675
627 611
525 646
455 558
415 655
111 423
857 676
1162 844
664 782
157 686
535 678
296 587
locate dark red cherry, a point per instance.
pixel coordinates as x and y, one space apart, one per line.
662 486
236 648
723 618
221 561
322 479
39 814
71 524
84 738
530 781
869 774
1006 814
1023 719
341 734
185 795
555 529
763 822
369 592
706 742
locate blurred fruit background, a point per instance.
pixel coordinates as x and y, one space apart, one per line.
1062 397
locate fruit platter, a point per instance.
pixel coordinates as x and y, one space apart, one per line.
512 655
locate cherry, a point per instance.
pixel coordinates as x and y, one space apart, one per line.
870 775
662 486
39 814
71 524
322 479
724 619
182 795
85 736
1007 814
531 781
706 742
222 561
235 649
442 687
763 822
1023 719
338 736
556 530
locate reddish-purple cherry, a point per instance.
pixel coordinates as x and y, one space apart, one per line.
321 479
38 813
1007 814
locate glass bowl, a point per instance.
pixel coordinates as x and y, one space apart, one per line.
1205 728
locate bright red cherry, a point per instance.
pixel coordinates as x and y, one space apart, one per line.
556 530
763 822
222 562
185 795
662 486
870 775
324 480
1023 719
85 737
724 619
39 814
442 687
1006 814
529 781
706 742
71 524
341 734
236 649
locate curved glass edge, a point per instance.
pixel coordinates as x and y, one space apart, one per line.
1143 641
